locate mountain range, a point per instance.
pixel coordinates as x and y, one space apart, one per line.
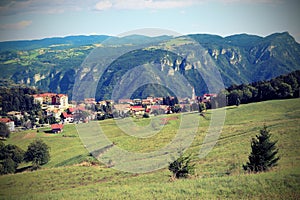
138 66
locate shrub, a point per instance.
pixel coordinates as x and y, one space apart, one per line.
182 167
4 131
146 115
10 158
7 166
37 153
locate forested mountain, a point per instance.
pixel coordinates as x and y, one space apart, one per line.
69 41
16 97
55 64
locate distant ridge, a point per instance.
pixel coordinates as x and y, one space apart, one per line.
52 64
46 42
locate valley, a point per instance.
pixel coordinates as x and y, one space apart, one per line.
72 173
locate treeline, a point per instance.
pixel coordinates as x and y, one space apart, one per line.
281 87
17 98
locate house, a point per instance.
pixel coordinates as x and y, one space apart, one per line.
45 98
67 118
9 123
122 107
60 100
90 101
125 101
71 110
74 110
206 97
156 109
57 128
158 100
146 102
38 99
16 114
137 110
137 101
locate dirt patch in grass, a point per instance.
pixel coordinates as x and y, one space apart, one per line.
87 164
50 134
29 135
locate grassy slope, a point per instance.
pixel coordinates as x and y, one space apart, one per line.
218 175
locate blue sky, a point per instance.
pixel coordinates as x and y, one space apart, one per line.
35 19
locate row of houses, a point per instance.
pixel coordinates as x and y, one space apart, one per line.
11 123
147 101
152 105
52 99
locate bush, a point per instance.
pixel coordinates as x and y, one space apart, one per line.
7 166
10 158
146 115
37 153
182 167
4 131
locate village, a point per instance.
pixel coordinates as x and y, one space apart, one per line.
60 110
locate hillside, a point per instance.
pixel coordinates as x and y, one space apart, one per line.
218 176
55 64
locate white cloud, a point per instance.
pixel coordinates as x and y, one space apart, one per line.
16 26
144 4
103 5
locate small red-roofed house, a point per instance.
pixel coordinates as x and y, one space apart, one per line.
71 110
67 118
57 128
137 110
9 123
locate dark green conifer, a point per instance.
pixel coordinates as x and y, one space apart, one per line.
263 154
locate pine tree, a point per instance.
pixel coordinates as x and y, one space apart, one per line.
263 155
182 167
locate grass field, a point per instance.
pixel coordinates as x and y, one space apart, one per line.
218 176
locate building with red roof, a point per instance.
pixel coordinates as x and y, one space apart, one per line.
57 128
51 99
9 123
137 110
67 118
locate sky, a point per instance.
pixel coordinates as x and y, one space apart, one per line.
36 19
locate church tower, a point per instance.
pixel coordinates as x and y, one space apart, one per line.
193 93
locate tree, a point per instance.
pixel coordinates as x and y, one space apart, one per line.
284 90
194 107
7 166
263 154
4 131
202 107
234 97
238 101
266 91
12 151
10 158
182 167
37 153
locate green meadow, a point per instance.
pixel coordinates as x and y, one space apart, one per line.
73 174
